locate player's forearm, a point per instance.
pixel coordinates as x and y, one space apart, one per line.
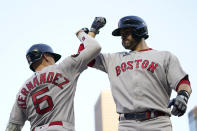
92 47
13 127
81 47
88 41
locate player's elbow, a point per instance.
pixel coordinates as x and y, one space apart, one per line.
96 48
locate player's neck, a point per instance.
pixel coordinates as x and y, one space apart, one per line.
141 46
42 65
39 68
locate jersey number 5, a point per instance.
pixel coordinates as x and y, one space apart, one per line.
37 101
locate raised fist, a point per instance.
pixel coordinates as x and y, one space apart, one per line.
179 103
97 24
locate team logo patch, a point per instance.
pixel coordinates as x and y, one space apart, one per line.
83 38
124 53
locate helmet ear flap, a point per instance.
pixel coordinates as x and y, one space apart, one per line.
33 56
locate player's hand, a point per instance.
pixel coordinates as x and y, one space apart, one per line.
86 30
179 103
97 24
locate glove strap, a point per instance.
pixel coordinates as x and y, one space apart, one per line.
94 30
184 94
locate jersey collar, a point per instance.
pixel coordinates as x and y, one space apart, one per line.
145 50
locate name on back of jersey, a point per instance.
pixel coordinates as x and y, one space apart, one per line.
54 78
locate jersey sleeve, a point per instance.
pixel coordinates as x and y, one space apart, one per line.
78 62
17 116
101 62
174 71
13 127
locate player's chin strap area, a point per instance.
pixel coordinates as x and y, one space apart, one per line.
142 116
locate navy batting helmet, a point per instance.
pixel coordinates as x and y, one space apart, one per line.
137 24
36 51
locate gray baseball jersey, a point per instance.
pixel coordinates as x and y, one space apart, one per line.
48 95
141 80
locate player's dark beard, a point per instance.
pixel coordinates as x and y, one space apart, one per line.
132 44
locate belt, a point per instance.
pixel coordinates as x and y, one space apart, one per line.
141 116
60 123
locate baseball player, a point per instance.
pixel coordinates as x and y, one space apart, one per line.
142 80
46 98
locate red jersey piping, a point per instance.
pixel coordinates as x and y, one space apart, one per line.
145 49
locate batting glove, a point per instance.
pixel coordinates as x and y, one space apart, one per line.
97 24
179 103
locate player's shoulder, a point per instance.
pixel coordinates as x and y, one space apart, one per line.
166 54
51 68
163 52
25 82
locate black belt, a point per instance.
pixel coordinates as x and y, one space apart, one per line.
141 116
